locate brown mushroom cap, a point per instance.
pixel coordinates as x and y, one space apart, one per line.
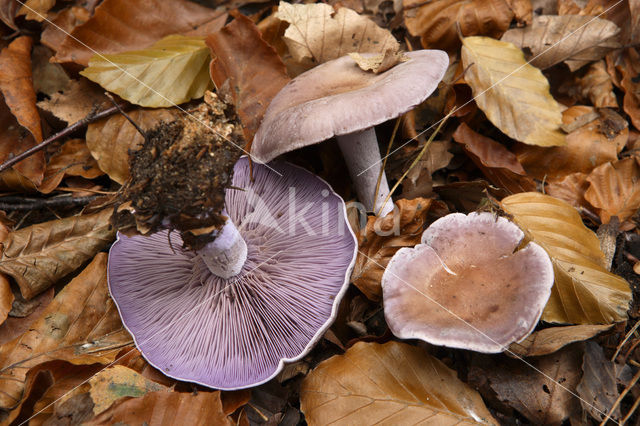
467 286
338 98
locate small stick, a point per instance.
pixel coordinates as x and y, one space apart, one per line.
18 203
62 133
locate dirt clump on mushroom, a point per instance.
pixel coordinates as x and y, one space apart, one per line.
179 175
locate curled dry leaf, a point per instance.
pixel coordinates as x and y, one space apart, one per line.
77 101
550 340
16 84
58 27
6 298
570 189
39 255
587 147
596 86
435 22
110 139
496 162
36 10
394 383
543 394
246 69
584 291
575 39
513 94
166 407
8 10
598 389
629 67
172 71
73 159
116 26
82 312
23 313
383 237
317 33
614 188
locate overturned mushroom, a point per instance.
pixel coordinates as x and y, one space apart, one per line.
261 294
339 99
466 286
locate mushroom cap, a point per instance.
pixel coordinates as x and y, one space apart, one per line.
337 98
237 333
466 286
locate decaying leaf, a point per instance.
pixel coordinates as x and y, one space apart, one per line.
116 382
116 26
596 86
16 84
549 42
495 161
435 22
110 139
570 189
383 237
23 313
630 69
246 69
598 389
380 62
551 339
77 101
73 159
614 188
6 298
56 29
39 255
36 10
166 408
8 10
82 312
584 291
172 71
587 147
513 94
544 393
317 33
394 383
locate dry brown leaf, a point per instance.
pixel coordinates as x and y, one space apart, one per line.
598 388
117 382
596 86
513 94
247 70
166 408
548 40
317 33
16 84
435 22
630 69
110 139
393 383
116 26
587 147
614 188
76 101
383 237
57 28
418 181
8 10
48 77
549 340
14 139
72 159
39 255
496 162
36 10
23 313
380 62
523 11
543 393
6 298
81 313
570 189
584 292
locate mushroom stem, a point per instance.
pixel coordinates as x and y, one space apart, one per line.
362 155
226 255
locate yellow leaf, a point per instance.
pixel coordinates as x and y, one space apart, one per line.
394 383
172 71
513 94
317 33
584 291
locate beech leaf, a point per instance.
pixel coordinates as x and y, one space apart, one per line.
393 383
614 188
39 255
317 33
551 339
584 291
513 94
172 71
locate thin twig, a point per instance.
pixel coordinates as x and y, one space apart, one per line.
19 203
62 133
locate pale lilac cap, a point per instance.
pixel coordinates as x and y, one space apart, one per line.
337 98
237 333
468 285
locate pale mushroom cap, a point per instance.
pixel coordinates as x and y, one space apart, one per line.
337 98
467 286
236 333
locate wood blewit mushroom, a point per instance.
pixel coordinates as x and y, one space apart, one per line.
339 99
234 326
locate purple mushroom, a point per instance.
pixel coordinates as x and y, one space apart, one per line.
260 295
